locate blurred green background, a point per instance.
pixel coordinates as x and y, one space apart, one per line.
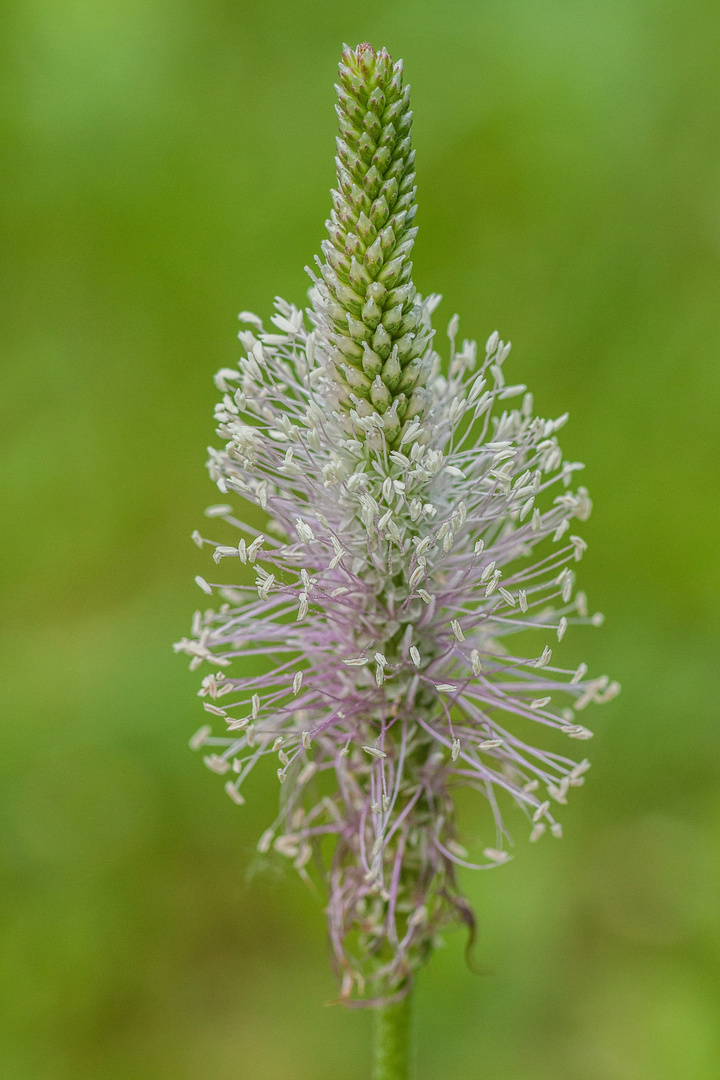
167 164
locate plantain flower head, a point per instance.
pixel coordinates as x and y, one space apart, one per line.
420 521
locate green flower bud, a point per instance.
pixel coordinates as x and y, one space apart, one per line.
392 319
411 375
381 341
392 372
379 212
358 276
365 228
410 323
391 423
371 362
348 347
353 244
355 378
374 257
405 347
380 395
358 330
371 313
377 292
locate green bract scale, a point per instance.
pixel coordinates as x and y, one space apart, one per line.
371 325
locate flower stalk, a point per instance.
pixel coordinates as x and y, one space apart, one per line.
391 1040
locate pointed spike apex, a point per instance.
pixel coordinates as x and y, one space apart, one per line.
368 338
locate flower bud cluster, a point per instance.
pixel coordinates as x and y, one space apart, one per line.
372 329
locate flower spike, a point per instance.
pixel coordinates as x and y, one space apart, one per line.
418 520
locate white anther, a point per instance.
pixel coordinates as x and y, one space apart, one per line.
373 751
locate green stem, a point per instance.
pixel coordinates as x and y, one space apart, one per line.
392 1041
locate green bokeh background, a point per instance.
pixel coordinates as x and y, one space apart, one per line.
167 164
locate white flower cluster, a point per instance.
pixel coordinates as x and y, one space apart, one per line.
371 657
